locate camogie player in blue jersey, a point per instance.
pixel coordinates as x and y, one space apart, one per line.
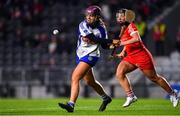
92 35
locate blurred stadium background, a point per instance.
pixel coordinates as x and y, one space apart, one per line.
36 64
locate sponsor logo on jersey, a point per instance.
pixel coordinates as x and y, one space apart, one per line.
90 58
85 31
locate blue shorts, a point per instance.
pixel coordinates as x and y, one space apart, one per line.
91 60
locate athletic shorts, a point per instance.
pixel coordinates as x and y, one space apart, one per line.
91 60
142 60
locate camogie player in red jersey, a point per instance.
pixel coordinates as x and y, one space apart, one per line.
135 55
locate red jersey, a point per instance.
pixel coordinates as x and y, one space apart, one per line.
137 54
134 47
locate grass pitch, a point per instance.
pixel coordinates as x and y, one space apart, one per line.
86 107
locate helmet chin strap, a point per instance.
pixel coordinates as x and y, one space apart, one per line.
94 24
124 23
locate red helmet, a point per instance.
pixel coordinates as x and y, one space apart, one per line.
93 10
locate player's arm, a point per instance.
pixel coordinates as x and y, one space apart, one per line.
101 41
124 49
135 38
90 38
105 43
91 41
122 53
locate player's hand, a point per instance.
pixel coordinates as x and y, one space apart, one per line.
114 56
115 43
120 55
111 46
87 40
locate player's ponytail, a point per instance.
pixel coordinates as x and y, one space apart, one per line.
102 22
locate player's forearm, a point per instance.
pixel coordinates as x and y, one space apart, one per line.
99 40
124 49
133 40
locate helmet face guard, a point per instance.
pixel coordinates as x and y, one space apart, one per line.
129 15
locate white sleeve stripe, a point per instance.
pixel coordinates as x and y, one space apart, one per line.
133 32
81 32
84 29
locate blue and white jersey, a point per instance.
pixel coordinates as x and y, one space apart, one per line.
84 48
